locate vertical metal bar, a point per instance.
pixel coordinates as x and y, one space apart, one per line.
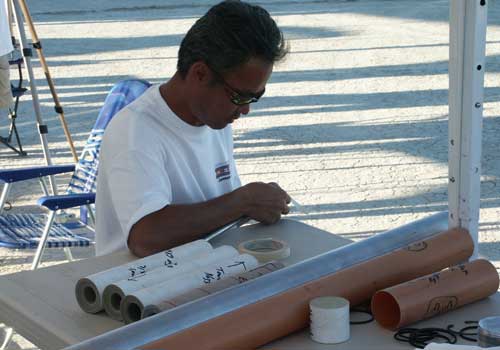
91 214
9 333
69 255
43 240
468 20
5 194
44 186
42 128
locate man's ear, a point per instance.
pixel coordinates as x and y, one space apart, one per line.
199 73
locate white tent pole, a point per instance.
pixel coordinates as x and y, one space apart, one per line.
468 20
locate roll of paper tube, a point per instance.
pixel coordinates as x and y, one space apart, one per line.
211 288
114 293
89 290
434 294
134 304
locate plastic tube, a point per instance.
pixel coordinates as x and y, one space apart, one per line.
89 290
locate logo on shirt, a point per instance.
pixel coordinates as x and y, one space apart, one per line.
222 172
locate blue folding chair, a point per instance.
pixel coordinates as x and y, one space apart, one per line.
29 231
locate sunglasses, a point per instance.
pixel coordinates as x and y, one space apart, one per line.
236 97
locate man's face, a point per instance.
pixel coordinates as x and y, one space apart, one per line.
223 100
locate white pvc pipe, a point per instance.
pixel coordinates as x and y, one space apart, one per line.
133 305
115 292
89 290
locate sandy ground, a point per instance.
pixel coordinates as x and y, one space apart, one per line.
353 124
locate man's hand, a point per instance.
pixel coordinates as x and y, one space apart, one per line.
177 224
264 202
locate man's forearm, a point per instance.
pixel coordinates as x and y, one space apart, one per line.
179 224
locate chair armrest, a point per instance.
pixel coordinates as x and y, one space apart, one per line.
66 201
15 175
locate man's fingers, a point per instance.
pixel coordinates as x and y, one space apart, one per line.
287 197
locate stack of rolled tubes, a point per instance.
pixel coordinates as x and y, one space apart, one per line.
156 281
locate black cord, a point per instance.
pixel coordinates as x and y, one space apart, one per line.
420 337
462 333
472 337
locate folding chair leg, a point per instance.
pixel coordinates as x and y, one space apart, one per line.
68 253
44 186
9 333
5 194
43 240
91 214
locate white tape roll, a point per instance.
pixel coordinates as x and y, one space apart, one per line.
265 249
329 320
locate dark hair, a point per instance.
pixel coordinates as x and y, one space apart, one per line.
228 35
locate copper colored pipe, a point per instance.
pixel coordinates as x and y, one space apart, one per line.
434 294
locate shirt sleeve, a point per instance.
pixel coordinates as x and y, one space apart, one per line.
139 185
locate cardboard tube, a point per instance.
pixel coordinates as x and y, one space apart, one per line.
89 290
133 304
115 292
434 294
211 288
247 328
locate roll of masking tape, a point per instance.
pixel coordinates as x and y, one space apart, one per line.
265 249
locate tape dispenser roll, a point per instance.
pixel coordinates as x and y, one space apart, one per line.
265 249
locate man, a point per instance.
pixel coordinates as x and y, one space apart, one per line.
167 174
5 49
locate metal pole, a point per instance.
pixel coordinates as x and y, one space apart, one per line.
42 128
43 240
38 46
234 224
4 195
466 79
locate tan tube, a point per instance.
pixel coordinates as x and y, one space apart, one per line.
434 294
257 324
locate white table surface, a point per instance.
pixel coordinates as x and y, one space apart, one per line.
42 307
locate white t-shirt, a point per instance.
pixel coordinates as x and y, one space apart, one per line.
151 158
5 38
